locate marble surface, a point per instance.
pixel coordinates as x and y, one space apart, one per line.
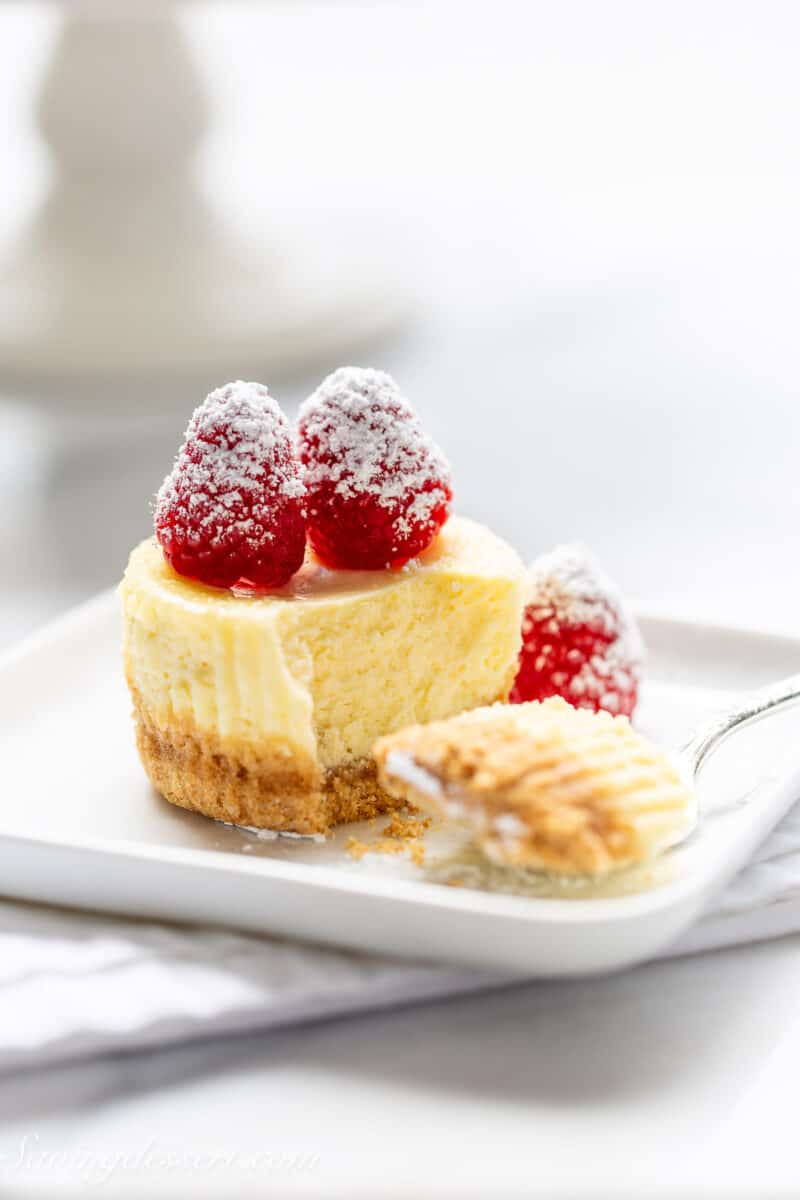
675 1080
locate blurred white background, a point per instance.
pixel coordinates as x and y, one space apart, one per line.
594 208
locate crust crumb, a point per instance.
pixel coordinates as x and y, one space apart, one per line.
357 849
404 832
404 827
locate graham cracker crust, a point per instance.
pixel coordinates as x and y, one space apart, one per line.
272 788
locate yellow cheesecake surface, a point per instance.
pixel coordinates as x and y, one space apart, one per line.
313 674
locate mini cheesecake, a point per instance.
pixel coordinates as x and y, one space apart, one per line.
262 709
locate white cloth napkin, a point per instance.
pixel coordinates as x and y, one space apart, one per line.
75 984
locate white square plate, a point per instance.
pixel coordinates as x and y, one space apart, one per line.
80 825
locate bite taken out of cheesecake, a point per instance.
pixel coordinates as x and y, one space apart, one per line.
261 709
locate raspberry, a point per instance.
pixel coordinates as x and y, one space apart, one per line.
231 511
378 487
578 639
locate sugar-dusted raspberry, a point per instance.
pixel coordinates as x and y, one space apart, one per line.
578 639
231 511
378 487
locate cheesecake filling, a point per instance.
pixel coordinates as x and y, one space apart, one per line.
332 662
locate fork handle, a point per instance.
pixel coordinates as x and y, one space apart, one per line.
757 706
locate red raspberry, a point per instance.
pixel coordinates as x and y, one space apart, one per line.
231 511
378 487
578 639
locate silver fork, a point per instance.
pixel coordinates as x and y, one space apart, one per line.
754 708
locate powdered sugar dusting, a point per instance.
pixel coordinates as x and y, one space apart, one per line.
233 471
568 587
368 440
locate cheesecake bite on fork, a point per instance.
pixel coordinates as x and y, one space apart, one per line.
544 785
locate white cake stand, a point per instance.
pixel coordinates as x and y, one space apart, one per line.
125 271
